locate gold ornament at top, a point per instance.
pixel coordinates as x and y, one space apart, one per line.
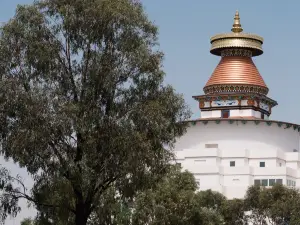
237 27
236 39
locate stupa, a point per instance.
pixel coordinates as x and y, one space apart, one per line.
236 88
235 144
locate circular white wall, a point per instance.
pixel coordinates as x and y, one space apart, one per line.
238 135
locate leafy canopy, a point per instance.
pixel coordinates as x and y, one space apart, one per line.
173 201
83 105
277 205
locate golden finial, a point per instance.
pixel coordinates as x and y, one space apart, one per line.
237 27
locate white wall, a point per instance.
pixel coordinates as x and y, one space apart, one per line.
246 144
239 136
233 113
238 161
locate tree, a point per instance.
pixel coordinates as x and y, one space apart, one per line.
27 221
173 202
83 105
278 205
233 212
227 211
113 209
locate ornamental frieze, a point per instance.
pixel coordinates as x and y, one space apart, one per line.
235 88
264 102
233 35
236 43
250 102
284 125
236 52
201 104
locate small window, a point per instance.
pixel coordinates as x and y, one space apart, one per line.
264 182
211 145
278 181
262 164
232 163
280 164
178 164
257 182
272 182
225 113
262 116
290 183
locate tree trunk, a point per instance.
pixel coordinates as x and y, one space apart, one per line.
81 215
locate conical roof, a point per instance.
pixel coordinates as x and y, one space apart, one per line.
236 70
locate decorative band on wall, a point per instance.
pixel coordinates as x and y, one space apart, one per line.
235 88
236 52
284 125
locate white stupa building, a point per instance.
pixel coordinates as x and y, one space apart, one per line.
235 143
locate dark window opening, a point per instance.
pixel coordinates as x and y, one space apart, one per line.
225 113
262 116
272 182
257 182
232 163
264 182
262 164
211 145
279 181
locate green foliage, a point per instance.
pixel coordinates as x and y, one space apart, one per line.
83 105
27 221
113 209
277 205
167 203
233 212
8 205
171 201
175 201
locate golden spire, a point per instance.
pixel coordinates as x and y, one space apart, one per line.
237 27
236 39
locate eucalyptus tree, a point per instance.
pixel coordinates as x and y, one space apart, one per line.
83 105
278 205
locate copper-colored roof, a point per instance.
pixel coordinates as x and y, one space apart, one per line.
236 70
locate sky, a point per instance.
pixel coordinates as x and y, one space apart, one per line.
185 29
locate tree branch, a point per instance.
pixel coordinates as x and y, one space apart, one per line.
68 54
84 72
67 173
102 186
27 197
